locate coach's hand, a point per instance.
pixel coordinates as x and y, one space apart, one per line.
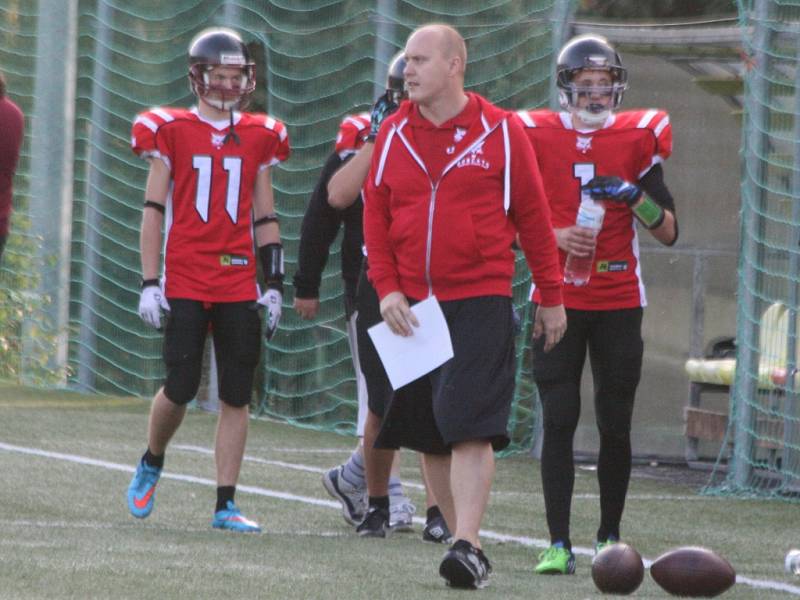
306 308
151 303
614 189
397 314
550 321
384 106
273 301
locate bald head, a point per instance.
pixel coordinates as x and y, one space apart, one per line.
446 40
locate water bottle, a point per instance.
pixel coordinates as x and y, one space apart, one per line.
578 269
792 563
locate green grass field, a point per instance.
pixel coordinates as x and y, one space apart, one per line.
65 532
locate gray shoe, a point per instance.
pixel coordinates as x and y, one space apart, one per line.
401 513
353 500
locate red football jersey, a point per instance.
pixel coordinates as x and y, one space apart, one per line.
629 144
353 131
209 246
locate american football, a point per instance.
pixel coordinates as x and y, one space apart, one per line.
617 569
693 571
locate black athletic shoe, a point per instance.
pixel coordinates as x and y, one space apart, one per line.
436 531
464 566
485 561
375 524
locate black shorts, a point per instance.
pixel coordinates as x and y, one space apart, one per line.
236 328
470 396
379 390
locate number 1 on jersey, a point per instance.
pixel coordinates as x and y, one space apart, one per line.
584 172
203 164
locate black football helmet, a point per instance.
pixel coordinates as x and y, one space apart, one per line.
220 47
395 79
591 52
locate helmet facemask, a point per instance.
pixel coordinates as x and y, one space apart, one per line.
223 98
569 94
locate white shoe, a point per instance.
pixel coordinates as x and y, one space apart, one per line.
401 513
353 500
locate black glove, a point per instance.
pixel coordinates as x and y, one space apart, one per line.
614 189
384 106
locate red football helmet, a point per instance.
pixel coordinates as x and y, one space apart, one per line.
220 47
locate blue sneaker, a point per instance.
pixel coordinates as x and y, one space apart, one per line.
142 490
231 518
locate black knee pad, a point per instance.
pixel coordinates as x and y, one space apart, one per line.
237 341
182 382
184 339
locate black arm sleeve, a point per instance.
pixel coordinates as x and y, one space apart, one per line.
320 225
653 185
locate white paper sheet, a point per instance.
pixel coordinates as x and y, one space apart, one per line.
408 358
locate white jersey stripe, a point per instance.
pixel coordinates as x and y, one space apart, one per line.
646 118
637 256
161 113
507 170
357 122
526 118
149 123
661 125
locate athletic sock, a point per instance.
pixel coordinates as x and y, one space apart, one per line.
152 460
395 487
353 471
432 513
379 502
224 493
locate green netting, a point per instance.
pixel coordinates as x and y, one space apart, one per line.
762 448
318 61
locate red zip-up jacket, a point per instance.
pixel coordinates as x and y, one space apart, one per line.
449 234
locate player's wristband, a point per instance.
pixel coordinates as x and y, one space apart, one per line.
271 256
150 282
650 214
156 205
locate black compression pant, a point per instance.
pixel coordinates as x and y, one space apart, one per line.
614 341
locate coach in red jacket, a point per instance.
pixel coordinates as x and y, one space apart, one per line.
453 181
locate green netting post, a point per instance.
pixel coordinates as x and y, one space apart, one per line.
95 166
45 331
791 432
563 13
745 381
384 48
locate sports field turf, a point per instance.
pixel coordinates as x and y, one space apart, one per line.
65 532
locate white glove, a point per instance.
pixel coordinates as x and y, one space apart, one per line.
151 303
273 300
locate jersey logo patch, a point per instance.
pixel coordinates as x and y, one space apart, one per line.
217 139
612 266
233 260
583 144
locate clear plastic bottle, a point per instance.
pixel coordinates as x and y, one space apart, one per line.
792 563
578 269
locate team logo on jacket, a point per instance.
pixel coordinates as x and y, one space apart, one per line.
474 158
217 139
583 144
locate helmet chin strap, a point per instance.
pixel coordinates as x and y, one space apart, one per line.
591 117
221 104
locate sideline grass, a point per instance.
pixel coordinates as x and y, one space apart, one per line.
65 531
